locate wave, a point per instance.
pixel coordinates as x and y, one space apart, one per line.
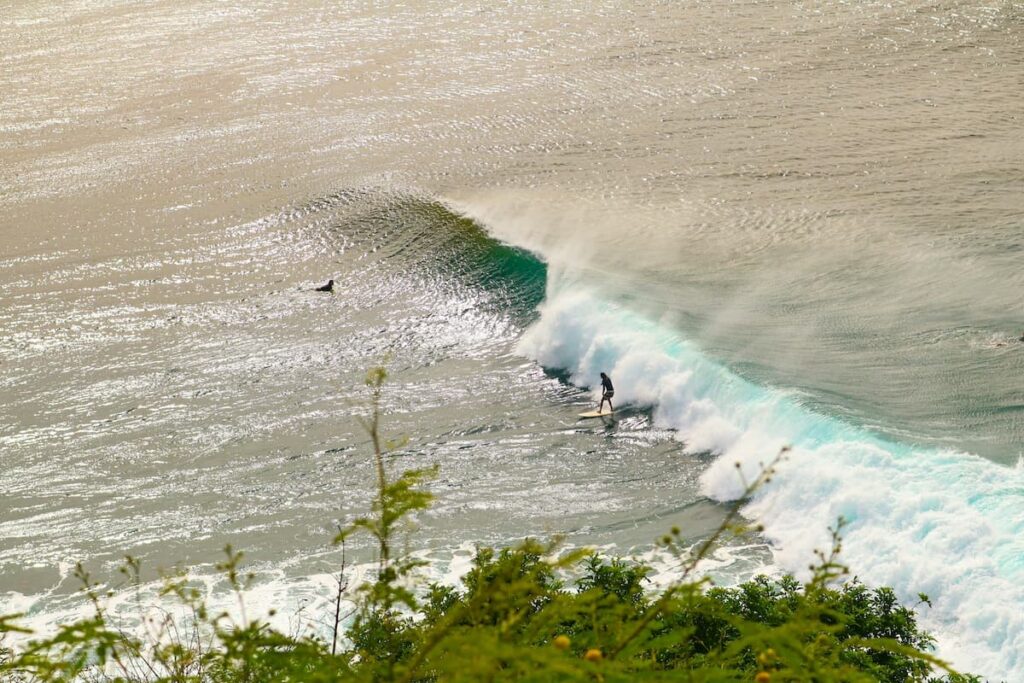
939 521
408 232
945 523
920 519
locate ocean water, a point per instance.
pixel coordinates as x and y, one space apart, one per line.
772 224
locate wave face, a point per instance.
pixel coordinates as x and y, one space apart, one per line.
945 523
413 234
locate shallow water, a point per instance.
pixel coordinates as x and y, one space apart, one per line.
794 223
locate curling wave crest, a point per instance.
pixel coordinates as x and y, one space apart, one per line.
945 523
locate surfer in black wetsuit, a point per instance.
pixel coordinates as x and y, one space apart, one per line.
607 391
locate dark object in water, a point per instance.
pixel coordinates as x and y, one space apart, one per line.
329 287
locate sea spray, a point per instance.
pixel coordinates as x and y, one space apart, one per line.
920 520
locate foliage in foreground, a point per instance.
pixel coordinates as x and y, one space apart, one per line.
519 616
527 613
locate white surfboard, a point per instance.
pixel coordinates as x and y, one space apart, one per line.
594 413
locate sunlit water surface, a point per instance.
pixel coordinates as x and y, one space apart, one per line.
795 223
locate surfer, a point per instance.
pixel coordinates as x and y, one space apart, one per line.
999 344
329 287
607 391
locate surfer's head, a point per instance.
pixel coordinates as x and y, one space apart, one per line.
604 376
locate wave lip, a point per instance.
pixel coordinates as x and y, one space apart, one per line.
945 523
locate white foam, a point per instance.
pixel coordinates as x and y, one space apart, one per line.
299 606
944 523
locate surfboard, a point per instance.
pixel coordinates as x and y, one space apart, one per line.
594 413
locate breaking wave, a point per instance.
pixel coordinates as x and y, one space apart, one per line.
945 523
